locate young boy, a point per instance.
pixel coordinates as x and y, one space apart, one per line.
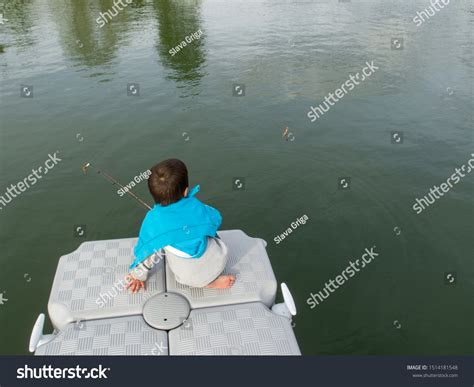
185 228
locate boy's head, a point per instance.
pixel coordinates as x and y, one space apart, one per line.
168 181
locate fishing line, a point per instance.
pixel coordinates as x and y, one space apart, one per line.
114 181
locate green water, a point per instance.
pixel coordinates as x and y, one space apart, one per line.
289 55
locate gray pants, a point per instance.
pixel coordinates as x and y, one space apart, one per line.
194 272
199 272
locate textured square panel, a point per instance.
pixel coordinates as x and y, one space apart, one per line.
249 261
89 283
208 331
115 336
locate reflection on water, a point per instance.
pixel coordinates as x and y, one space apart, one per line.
20 22
176 21
81 37
88 46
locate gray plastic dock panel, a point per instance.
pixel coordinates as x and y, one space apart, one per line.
89 283
249 261
244 329
115 336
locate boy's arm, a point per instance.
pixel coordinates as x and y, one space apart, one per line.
137 277
140 272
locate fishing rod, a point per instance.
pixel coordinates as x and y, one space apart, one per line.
112 180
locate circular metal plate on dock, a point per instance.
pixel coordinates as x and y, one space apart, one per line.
166 311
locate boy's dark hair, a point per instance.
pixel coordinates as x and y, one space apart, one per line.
168 181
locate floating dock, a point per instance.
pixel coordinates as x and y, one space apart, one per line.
93 315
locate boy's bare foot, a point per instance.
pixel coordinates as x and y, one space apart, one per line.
222 282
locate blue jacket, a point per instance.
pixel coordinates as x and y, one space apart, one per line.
185 225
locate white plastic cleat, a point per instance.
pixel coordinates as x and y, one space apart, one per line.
37 338
288 308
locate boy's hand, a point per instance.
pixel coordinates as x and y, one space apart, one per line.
134 284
